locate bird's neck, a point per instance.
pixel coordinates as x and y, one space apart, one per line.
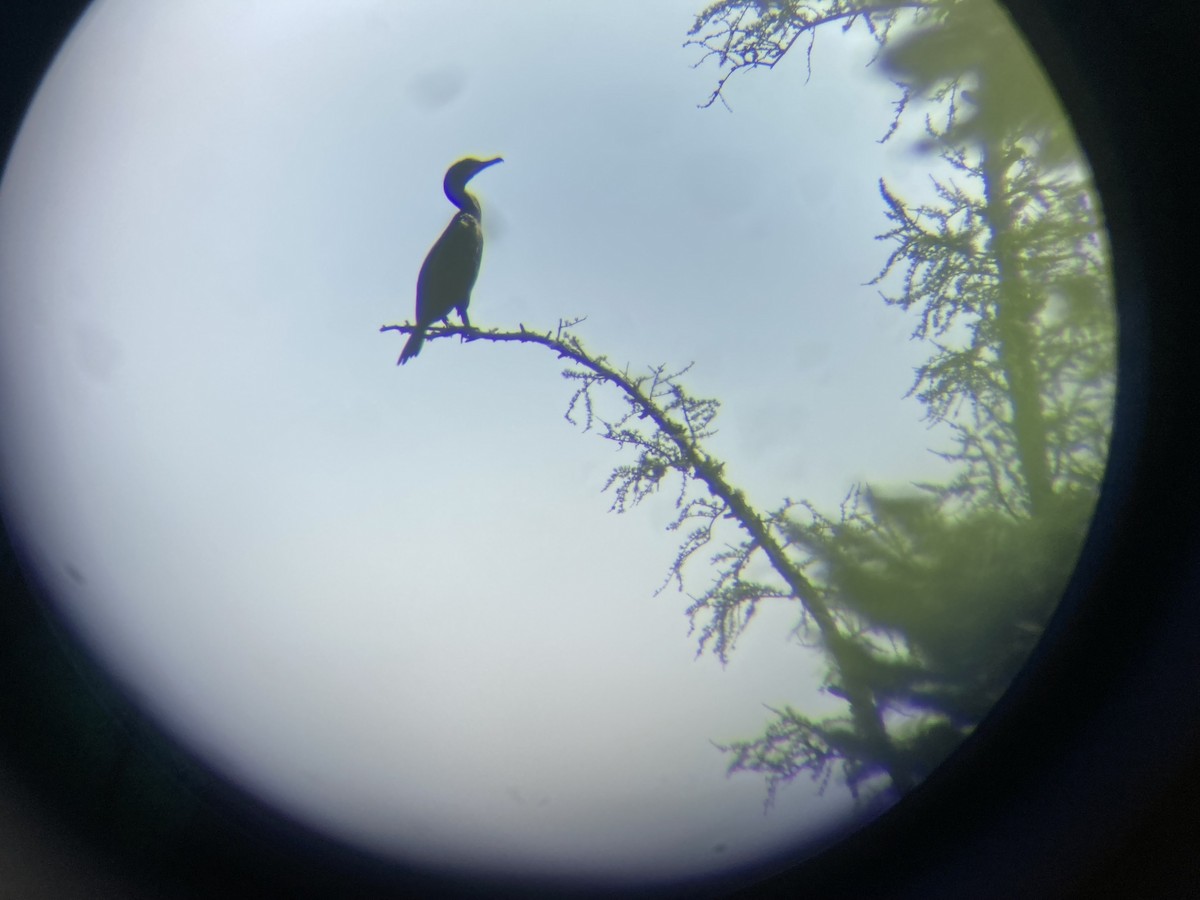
463 200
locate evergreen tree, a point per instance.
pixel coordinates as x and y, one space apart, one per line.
947 592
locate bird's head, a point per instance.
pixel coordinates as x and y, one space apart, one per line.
463 171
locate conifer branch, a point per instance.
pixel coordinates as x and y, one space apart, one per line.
680 423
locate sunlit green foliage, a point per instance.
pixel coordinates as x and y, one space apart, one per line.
941 595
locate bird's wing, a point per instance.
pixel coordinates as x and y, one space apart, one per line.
450 269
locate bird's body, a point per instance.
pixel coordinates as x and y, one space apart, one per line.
452 264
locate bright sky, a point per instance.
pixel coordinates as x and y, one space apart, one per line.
393 601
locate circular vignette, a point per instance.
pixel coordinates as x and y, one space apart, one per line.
1063 792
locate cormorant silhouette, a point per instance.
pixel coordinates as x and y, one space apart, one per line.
452 265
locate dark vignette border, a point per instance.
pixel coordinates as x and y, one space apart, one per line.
1083 783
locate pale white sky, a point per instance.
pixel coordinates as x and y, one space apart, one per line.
393 601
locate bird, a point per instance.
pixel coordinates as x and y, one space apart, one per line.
452 264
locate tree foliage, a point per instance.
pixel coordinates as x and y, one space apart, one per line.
923 604
1005 269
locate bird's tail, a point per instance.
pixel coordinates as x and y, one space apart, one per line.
412 348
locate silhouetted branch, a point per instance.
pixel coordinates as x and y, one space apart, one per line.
674 443
751 34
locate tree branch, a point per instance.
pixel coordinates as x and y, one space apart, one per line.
688 457
752 34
